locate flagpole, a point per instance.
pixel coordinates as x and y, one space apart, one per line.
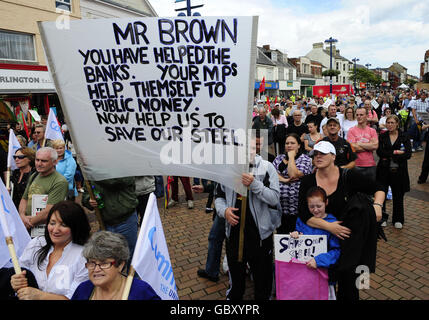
242 224
91 195
248 115
8 179
9 241
12 252
128 284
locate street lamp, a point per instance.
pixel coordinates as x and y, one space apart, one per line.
188 8
355 60
368 65
330 41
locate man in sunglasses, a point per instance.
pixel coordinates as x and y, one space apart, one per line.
39 132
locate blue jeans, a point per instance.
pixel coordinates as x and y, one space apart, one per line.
198 182
129 229
416 135
216 237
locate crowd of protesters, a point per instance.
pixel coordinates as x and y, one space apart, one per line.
320 152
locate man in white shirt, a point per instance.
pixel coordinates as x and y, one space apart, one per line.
418 106
332 113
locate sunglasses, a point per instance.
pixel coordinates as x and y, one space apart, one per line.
19 157
318 153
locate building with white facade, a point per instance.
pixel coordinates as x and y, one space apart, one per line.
95 9
321 54
284 72
309 74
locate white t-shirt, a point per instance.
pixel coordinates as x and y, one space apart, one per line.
345 127
339 116
65 275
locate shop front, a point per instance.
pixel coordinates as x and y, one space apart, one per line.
271 89
307 87
22 88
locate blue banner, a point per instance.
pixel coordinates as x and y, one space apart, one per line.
268 85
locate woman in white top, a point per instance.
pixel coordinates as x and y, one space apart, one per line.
349 121
382 123
55 259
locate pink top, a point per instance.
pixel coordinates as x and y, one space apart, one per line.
372 115
282 120
356 134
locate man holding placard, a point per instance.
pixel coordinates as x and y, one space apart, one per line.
46 181
262 217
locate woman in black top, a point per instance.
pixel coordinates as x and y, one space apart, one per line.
394 149
24 159
329 177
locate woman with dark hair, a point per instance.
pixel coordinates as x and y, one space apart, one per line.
394 150
311 138
24 159
291 167
55 259
382 123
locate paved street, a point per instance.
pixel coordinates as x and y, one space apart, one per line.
402 262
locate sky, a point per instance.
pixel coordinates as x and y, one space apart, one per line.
376 32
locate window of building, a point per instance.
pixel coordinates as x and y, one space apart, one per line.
344 80
344 67
63 5
281 73
338 66
17 46
336 79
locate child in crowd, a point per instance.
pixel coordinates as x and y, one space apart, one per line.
317 202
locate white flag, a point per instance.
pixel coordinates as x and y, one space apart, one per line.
35 115
151 259
13 146
53 130
11 225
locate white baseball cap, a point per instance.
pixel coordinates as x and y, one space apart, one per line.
324 147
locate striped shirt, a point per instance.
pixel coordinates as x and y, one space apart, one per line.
419 106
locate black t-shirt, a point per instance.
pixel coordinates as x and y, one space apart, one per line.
299 130
345 154
336 201
316 118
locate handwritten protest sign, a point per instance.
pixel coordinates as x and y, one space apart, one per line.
327 103
38 203
158 96
304 248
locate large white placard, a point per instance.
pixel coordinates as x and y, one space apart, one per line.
304 248
158 96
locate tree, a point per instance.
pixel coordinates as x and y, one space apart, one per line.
366 76
410 82
330 72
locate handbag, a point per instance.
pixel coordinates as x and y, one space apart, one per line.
296 281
